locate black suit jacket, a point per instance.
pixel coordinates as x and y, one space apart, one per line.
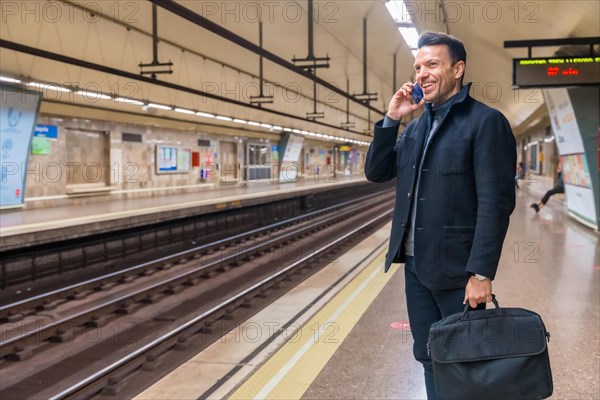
466 191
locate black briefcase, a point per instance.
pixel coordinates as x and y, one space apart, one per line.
498 353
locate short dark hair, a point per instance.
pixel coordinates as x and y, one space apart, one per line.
456 48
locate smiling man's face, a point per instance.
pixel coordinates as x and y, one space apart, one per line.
436 74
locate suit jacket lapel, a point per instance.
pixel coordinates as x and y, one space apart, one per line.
421 133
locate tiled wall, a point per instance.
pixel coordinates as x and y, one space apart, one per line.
88 155
92 153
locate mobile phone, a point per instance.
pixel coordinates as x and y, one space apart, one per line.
416 94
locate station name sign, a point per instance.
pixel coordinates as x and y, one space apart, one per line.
556 72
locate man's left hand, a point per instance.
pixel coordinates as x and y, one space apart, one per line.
478 292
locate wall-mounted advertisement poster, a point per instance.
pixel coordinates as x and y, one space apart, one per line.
578 184
43 135
41 146
173 159
578 187
184 158
18 113
291 147
166 159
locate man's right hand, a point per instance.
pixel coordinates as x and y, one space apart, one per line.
401 105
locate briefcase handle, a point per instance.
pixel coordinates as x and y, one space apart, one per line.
467 308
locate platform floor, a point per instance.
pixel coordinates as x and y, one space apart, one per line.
33 226
11 219
550 264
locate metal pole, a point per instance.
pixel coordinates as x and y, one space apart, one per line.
365 55
394 87
260 63
155 33
310 29
347 101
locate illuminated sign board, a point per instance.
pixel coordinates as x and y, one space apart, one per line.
556 71
18 113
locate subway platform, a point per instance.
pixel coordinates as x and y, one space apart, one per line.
47 224
344 333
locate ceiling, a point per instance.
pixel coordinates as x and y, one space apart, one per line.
118 34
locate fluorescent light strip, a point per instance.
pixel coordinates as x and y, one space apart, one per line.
7 79
398 11
129 101
205 115
93 94
410 36
159 106
184 111
44 86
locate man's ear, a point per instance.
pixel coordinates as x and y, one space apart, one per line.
459 69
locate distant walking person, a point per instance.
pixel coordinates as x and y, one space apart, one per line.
558 188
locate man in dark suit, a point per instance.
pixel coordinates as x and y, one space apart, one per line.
454 167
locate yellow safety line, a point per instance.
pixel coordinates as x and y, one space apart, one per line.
291 370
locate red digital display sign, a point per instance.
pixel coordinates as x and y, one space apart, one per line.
556 72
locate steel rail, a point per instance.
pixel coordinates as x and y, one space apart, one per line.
64 292
155 288
205 315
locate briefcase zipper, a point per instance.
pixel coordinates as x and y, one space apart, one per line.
548 336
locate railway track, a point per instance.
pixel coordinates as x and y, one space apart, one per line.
134 317
28 268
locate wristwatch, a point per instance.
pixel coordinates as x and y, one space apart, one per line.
480 277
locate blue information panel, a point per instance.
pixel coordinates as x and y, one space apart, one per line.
47 131
18 113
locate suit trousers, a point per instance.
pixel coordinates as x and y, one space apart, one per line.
426 306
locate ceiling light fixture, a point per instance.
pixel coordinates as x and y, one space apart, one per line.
93 95
399 12
10 80
129 101
184 111
45 86
205 115
159 106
